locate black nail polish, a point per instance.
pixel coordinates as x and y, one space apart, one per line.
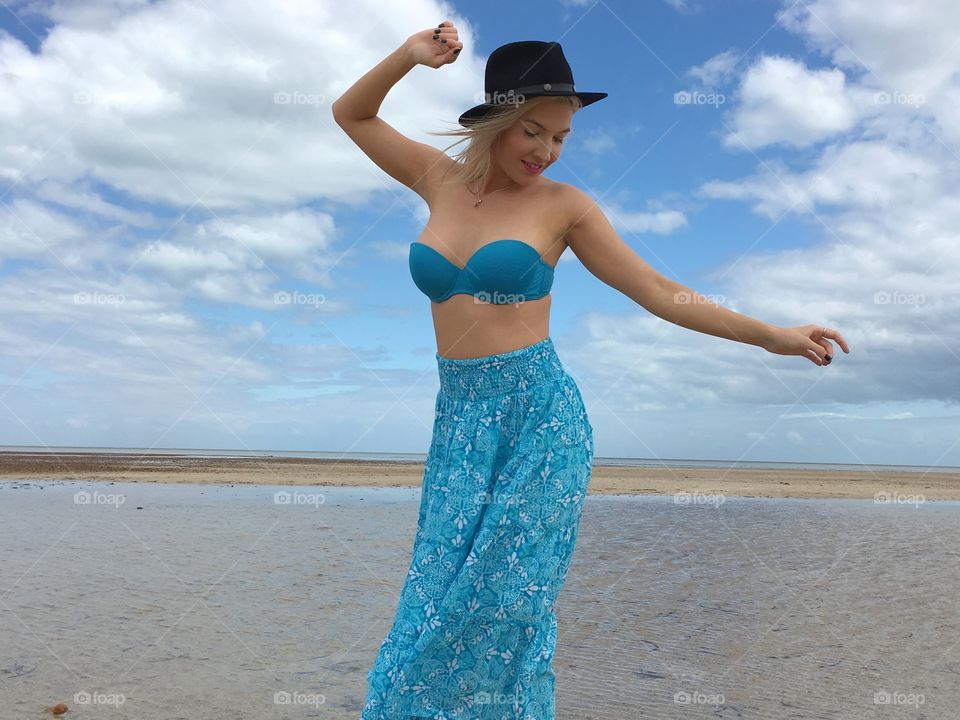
435 37
457 50
444 40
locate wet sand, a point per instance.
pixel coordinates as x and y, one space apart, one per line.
198 601
606 480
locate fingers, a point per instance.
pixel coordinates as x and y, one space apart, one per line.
447 39
834 335
825 344
817 351
820 350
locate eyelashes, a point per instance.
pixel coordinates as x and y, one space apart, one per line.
530 134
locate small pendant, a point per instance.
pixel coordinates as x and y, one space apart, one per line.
477 203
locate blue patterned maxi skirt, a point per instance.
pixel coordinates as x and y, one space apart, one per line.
503 487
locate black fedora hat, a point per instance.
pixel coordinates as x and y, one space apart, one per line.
522 69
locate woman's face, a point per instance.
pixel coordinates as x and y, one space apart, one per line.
533 143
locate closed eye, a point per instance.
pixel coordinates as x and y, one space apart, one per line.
530 134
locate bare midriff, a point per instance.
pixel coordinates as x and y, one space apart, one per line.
465 326
468 328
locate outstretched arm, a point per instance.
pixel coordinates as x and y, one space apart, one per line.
602 251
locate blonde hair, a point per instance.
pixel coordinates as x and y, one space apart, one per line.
473 162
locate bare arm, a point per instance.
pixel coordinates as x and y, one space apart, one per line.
364 98
602 251
405 160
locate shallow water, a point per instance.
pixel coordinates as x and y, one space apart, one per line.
219 601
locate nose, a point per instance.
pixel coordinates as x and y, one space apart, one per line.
543 156
543 153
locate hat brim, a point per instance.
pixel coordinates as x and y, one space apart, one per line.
483 109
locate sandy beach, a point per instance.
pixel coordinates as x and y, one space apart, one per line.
606 480
204 602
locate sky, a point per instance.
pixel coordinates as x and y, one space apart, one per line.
194 255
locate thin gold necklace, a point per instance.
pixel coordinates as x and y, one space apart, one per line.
477 203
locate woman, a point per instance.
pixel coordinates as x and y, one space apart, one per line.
512 447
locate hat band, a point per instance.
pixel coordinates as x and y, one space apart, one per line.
509 95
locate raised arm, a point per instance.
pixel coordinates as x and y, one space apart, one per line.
405 160
601 250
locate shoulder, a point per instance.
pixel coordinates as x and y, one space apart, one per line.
572 202
570 193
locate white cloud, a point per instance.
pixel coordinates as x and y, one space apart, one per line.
238 258
717 69
599 142
230 198
905 50
28 230
905 47
158 195
391 249
872 175
662 222
783 101
177 102
90 14
872 187
176 261
80 196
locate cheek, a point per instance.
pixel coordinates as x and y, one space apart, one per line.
519 145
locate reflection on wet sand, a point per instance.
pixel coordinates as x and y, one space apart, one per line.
210 601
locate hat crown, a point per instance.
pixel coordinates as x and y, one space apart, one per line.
526 63
526 68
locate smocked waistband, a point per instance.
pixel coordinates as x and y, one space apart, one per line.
507 372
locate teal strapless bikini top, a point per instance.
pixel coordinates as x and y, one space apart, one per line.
502 272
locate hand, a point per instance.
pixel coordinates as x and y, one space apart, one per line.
809 341
425 49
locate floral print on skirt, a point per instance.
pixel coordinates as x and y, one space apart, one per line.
503 487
